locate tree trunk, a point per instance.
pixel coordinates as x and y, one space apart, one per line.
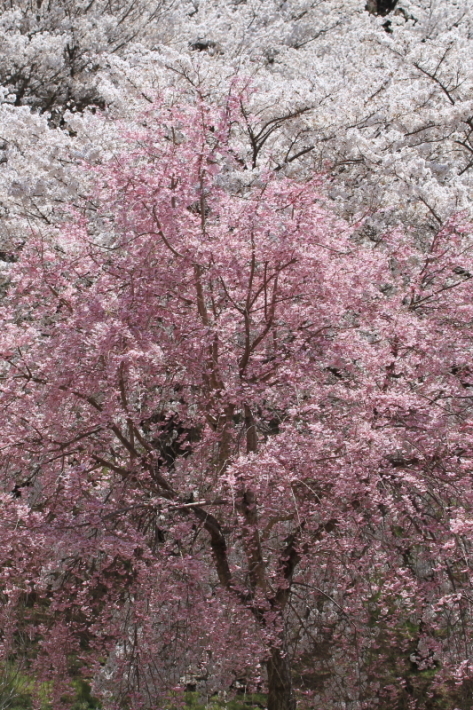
280 692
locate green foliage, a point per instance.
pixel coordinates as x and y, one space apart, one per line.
248 701
84 699
17 690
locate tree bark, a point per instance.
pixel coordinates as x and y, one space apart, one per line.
280 692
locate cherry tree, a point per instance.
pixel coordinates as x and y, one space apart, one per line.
236 435
379 101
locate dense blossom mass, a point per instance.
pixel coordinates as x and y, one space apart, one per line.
235 354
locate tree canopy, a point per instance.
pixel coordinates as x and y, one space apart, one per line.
235 350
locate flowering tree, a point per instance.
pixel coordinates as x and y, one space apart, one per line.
379 102
236 432
347 425
382 101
